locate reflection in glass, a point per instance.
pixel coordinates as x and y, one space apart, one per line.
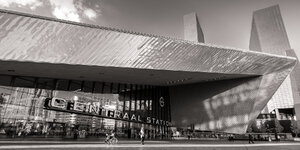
22 111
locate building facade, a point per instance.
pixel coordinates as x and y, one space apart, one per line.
60 77
57 108
268 35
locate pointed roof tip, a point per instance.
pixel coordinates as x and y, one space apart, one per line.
268 27
190 14
275 5
194 13
192 28
269 7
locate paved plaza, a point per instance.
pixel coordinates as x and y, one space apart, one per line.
149 145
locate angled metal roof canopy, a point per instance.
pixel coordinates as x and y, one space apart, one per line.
46 47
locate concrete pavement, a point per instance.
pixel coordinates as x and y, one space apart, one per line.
135 145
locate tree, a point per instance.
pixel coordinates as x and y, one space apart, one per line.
294 127
278 127
249 130
253 128
263 128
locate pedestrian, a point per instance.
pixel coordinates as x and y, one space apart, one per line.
251 139
76 134
142 135
230 138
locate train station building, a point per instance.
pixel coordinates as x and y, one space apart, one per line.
57 77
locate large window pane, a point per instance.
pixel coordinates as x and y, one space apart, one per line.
142 105
75 86
150 104
62 85
107 88
22 107
88 86
138 104
5 80
98 87
132 105
24 82
127 105
115 88
45 83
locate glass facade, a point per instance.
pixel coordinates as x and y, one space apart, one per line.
43 107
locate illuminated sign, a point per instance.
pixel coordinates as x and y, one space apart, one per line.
59 103
95 109
162 102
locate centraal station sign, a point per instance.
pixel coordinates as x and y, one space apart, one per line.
95 109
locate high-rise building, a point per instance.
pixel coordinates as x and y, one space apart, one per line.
268 35
192 28
295 80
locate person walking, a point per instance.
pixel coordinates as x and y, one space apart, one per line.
76 132
251 139
142 135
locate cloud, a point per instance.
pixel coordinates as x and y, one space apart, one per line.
65 9
72 10
90 13
32 4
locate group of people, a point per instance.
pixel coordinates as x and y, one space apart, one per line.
111 138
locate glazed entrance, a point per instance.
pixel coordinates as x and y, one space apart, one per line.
53 108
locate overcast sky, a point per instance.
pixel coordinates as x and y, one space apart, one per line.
224 22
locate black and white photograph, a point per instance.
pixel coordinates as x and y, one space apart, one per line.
149 75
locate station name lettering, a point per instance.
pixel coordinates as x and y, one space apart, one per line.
95 109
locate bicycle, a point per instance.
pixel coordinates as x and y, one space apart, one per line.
111 140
